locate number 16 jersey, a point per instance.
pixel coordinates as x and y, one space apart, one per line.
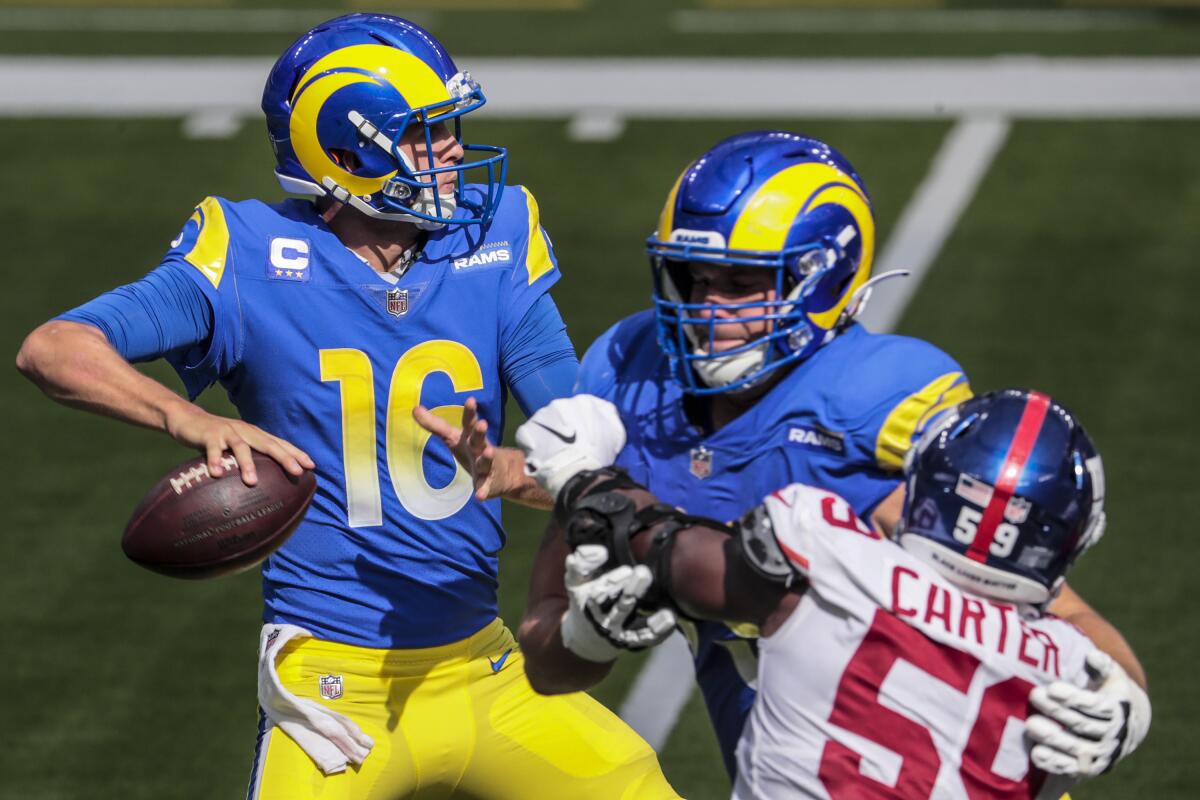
314 346
887 680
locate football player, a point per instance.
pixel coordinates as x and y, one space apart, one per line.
747 375
896 668
406 278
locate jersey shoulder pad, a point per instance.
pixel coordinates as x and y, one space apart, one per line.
520 221
807 522
613 352
896 386
204 242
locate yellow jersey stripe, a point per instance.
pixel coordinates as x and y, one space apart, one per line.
212 241
537 255
912 414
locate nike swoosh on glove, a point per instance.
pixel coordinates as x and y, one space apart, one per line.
568 436
1085 732
602 616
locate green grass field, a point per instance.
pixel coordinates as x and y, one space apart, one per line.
1073 270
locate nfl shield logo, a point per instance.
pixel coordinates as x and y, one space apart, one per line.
1017 510
701 462
397 302
331 687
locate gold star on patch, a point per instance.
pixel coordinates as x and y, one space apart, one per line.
278 273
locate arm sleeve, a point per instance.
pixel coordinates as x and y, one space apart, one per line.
162 313
538 360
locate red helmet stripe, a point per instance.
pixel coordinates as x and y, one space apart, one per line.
1028 429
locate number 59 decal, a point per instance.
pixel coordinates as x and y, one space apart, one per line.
968 524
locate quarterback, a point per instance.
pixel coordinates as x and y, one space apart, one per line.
408 282
897 668
749 374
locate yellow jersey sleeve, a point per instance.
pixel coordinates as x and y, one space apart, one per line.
539 259
204 240
908 418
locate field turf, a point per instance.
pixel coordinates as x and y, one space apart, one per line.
1074 270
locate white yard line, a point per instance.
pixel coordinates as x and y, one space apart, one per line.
660 692
173 20
212 124
1025 87
932 214
288 20
662 689
948 21
595 126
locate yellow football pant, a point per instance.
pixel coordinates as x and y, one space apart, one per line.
447 723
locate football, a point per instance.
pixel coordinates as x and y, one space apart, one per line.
192 525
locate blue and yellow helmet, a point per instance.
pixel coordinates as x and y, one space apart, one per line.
773 200
339 100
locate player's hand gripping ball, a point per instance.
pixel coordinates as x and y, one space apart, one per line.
192 525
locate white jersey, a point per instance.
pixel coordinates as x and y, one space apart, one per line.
888 681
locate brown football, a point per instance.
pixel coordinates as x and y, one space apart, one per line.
192 525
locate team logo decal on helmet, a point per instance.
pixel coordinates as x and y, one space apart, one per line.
343 96
1003 495
773 200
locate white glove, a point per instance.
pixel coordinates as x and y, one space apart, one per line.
1082 733
601 619
569 436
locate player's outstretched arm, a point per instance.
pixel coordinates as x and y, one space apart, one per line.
697 564
1074 609
74 364
706 573
495 471
710 579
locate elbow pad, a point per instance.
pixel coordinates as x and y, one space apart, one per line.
760 549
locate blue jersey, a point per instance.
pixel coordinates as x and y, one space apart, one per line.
841 420
314 346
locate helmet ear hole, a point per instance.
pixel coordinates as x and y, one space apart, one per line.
964 425
346 159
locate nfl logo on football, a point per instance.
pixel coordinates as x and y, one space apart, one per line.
701 462
331 687
397 302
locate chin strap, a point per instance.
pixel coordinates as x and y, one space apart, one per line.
862 295
340 194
